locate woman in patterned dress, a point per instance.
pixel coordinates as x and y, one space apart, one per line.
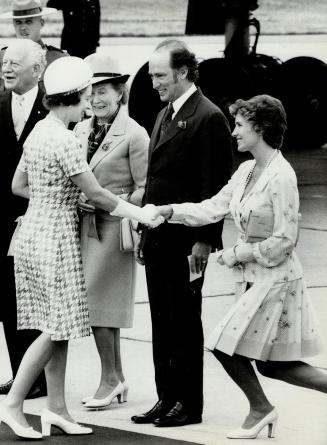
50 286
272 320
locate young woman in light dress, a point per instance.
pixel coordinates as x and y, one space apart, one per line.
272 320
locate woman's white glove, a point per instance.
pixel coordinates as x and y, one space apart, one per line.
147 215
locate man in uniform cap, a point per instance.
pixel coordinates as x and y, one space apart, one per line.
27 16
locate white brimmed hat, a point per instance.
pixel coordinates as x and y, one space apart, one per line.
67 75
105 69
26 9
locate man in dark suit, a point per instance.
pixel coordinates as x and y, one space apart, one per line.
20 108
190 159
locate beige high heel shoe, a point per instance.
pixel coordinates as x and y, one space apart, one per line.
120 392
21 431
252 433
48 419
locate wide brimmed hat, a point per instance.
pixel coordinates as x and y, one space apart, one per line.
26 9
105 69
67 75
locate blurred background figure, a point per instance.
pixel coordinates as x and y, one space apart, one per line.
20 108
116 148
81 32
28 21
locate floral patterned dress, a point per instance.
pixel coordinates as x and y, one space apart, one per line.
273 317
50 286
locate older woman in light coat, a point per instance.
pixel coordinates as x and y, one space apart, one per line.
116 148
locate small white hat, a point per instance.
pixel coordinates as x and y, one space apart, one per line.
105 68
27 8
67 75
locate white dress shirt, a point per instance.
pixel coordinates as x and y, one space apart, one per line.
21 107
178 103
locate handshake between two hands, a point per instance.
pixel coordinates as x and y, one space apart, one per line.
149 215
152 216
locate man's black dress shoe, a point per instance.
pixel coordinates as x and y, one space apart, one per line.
5 388
35 392
159 409
177 416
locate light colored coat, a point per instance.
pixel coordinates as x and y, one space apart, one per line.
273 317
275 192
120 165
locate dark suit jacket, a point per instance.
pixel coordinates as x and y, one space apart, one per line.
191 162
11 151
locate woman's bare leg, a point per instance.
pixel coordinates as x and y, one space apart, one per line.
34 360
55 372
296 373
118 363
105 342
241 371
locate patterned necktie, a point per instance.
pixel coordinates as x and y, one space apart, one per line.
166 120
19 116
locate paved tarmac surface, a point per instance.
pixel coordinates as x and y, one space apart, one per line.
302 412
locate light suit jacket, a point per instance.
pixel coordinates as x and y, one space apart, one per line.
120 162
275 192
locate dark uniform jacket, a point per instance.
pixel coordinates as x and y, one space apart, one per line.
81 33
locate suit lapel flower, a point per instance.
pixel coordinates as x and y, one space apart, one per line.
181 125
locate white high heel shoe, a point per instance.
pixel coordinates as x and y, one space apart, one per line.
88 398
49 418
120 392
251 433
20 430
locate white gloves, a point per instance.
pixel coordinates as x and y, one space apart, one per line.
147 215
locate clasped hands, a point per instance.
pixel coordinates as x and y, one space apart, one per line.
155 215
149 215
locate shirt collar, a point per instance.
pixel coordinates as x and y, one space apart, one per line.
29 96
29 99
180 101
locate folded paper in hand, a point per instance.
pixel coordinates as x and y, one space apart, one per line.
128 234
